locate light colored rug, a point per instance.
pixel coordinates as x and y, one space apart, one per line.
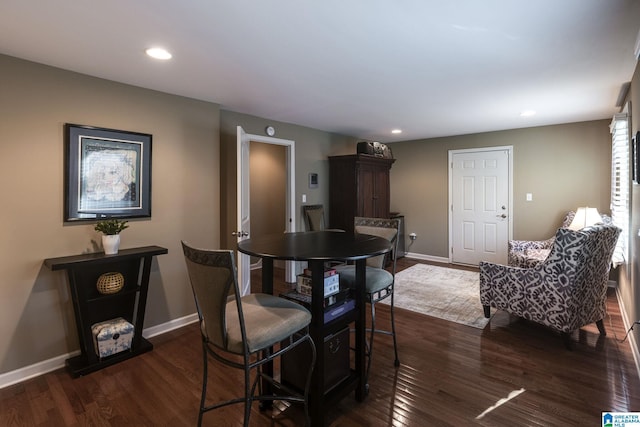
441 292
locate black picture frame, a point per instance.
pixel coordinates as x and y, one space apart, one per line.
107 173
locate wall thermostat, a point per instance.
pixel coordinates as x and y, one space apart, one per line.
313 180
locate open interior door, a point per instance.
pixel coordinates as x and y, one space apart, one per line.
243 226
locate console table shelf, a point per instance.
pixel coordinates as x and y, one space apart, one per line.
90 306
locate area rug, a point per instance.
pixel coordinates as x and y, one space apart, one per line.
442 292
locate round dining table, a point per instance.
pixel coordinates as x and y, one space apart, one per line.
318 248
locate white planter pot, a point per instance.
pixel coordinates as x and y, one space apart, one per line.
111 243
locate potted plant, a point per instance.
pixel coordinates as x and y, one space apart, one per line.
110 229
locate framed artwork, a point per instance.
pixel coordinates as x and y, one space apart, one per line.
107 173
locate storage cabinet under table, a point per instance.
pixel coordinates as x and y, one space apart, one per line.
91 307
335 360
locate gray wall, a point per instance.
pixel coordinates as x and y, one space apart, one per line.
564 166
36 316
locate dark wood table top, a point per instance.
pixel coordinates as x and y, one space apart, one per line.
316 245
65 262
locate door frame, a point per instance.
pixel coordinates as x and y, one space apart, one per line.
290 217
509 149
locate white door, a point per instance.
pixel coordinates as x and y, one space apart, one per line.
243 201
480 205
243 207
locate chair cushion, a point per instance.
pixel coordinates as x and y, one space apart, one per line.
538 254
376 278
268 320
528 258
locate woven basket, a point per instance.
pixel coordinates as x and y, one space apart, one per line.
110 283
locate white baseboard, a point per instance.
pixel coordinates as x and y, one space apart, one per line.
41 368
170 325
31 371
427 257
631 337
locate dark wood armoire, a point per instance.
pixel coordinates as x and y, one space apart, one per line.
358 186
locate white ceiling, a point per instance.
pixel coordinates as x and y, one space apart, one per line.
354 67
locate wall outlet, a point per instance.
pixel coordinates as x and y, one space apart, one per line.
413 236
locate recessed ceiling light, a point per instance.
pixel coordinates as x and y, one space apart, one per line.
158 53
396 131
528 113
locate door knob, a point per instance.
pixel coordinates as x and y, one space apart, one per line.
239 233
502 216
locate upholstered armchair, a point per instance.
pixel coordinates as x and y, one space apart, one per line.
529 253
566 291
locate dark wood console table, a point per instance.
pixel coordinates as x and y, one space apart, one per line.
318 247
91 307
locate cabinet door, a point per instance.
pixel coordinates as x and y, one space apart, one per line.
367 181
373 191
381 196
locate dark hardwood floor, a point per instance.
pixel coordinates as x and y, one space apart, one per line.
451 375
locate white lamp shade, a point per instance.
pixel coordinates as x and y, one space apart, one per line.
585 216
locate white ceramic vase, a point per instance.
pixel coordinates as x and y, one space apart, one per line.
110 243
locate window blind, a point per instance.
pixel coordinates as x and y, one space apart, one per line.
620 184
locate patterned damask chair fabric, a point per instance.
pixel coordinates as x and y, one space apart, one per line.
566 291
529 253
